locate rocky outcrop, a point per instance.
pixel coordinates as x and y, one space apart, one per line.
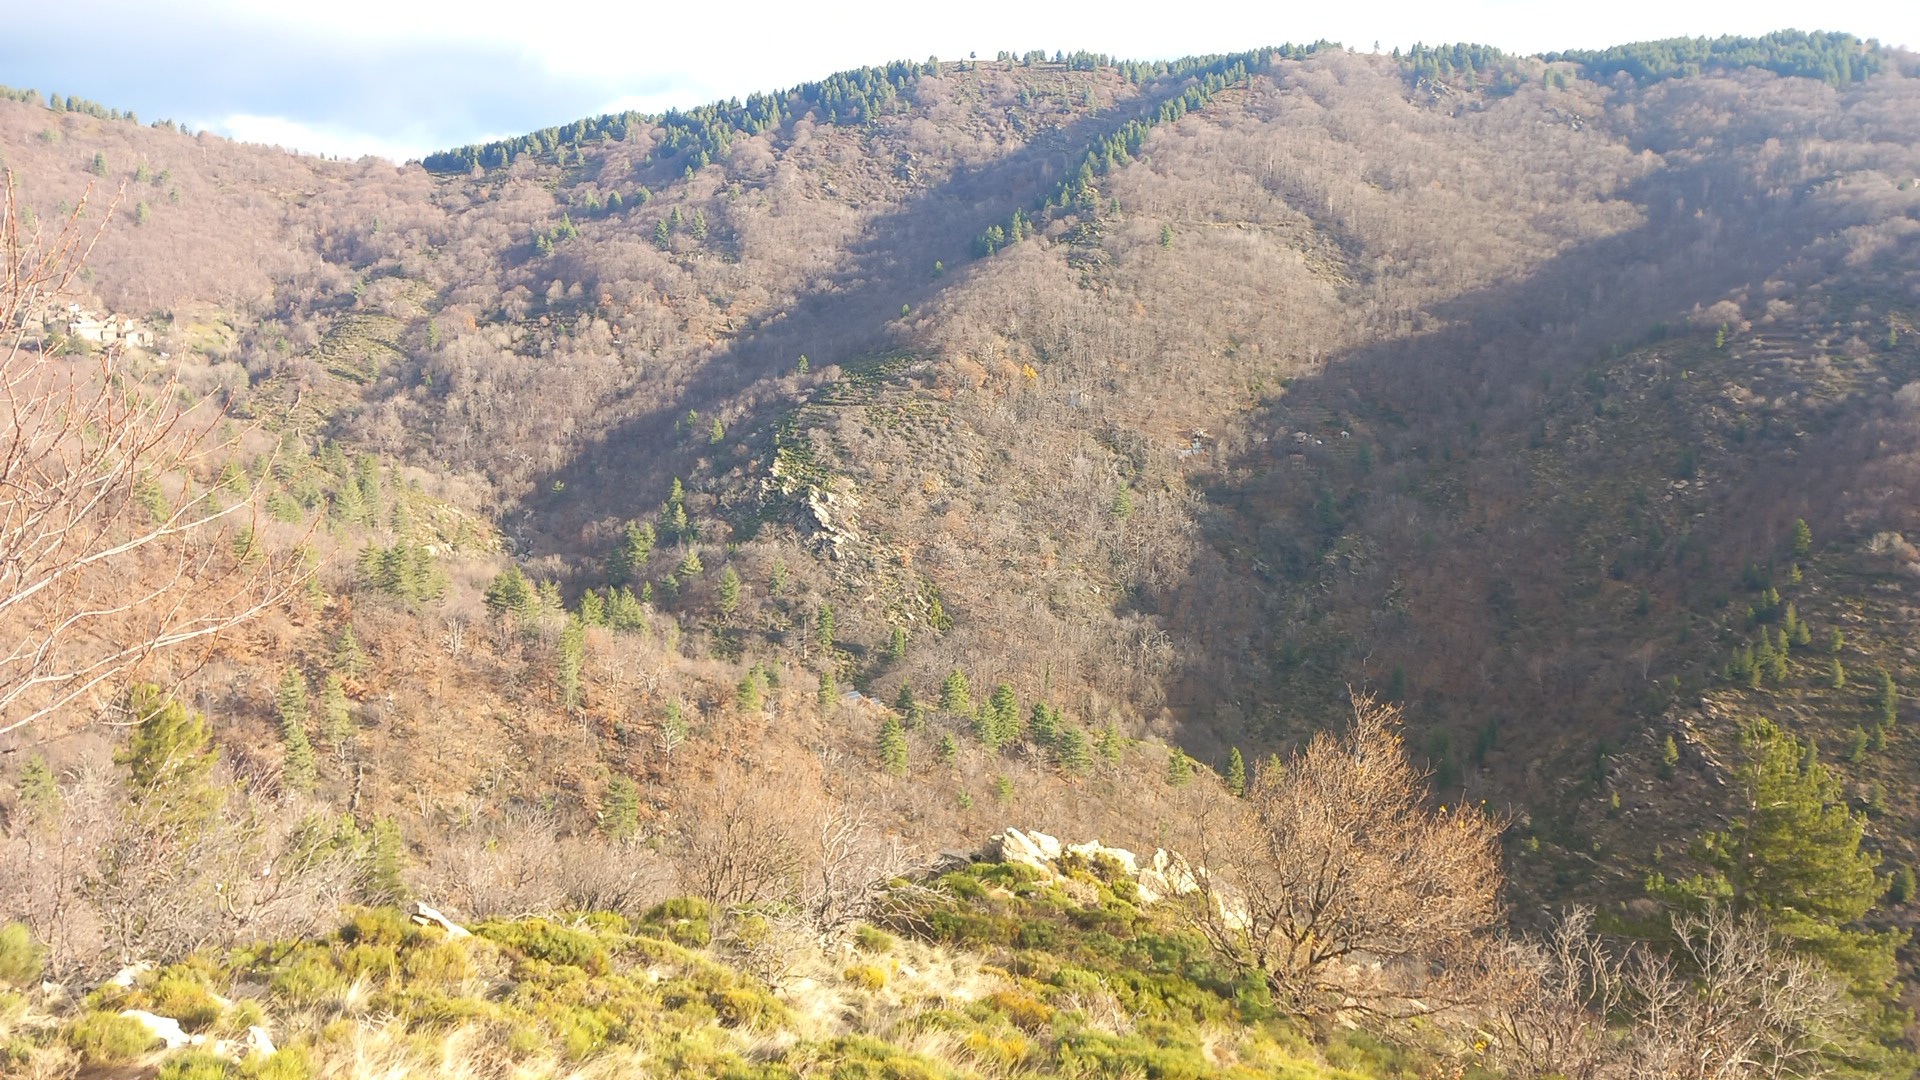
1165 874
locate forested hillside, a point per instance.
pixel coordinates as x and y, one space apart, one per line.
1050 441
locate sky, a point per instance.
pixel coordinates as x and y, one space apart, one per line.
400 78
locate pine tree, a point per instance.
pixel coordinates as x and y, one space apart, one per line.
729 590
893 746
620 809
1069 748
829 694
955 697
1838 677
1669 758
1901 888
905 704
170 758
386 865
717 434
570 663
1179 768
691 566
1792 855
348 658
628 561
1003 790
509 593
1889 700
38 800
1236 773
674 524
336 715
747 695
593 608
1802 537
1837 642
1109 745
673 726
300 770
1043 724
1003 711
823 626
897 645
949 749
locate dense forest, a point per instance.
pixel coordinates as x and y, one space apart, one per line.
1051 441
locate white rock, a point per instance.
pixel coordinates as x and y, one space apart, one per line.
426 916
1093 849
259 1042
165 1028
130 974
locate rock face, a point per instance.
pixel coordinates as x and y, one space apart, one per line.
1166 874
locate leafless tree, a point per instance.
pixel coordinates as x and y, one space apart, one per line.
744 841
853 864
1335 879
1552 998
108 551
1730 1004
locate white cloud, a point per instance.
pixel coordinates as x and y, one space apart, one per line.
319 139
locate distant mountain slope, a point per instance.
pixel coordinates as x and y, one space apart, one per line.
1182 397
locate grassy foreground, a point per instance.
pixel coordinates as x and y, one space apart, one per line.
995 974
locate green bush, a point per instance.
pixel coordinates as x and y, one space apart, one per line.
308 976
20 958
105 1038
184 997
378 926
1021 1010
866 976
870 940
292 1062
742 1006
542 940
370 960
195 1065
447 962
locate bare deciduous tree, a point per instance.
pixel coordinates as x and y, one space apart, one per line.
1730 1004
853 863
1551 1000
744 842
1334 877
107 548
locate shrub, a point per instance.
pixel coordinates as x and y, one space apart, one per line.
20 958
742 1006
1021 1010
195 1065
178 994
866 976
105 1038
447 962
291 1062
377 926
872 940
307 977
378 961
542 940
